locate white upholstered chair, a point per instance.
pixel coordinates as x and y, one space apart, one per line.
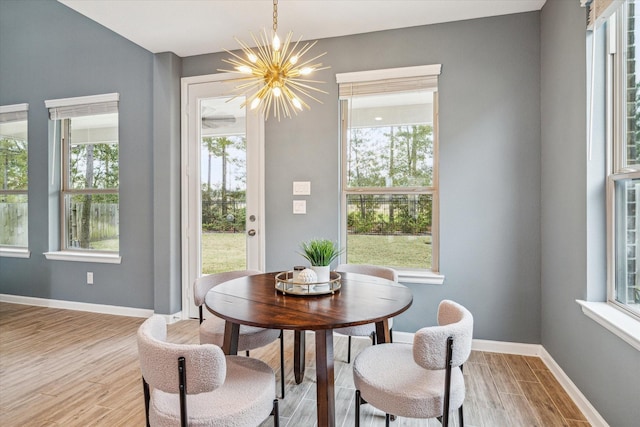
197 385
419 380
368 330
212 328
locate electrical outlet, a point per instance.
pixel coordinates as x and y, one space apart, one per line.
89 278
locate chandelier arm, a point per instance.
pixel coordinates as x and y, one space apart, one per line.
299 85
285 106
307 46
306 62
307 94
293 49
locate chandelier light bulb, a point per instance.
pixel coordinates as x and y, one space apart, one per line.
293 60
306 71
276 43
253 58
244 69
277 91
255 103
296 103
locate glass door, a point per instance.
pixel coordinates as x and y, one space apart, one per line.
223 184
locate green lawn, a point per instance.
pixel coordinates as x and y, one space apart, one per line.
225 251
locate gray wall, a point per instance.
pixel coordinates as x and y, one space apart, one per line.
49 51
489 164
166 183
603 367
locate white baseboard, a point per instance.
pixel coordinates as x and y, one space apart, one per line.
523 349
79 306
594 418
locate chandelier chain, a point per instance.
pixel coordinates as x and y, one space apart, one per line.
275 16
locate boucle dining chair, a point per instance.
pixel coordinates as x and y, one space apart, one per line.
419 380
197 385
368 330
212 328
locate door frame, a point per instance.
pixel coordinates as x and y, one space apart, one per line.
190 226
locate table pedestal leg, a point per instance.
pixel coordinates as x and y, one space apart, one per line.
298 355
382 332
231 334
326 399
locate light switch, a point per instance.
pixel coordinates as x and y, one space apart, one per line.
299 207
301 188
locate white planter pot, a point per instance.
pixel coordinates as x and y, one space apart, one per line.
323 273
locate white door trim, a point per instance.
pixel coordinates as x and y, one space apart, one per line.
189 170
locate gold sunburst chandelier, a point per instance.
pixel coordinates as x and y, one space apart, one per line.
276 75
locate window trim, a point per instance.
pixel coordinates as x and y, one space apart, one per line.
61 110
18 110
84 256
407 275
615 156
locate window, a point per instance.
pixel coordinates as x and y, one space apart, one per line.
14 182
389 167
623 186
89 195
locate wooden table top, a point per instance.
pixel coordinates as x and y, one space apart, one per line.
362 299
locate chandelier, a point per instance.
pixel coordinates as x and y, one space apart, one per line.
275 75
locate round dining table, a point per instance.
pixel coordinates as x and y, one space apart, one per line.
361 299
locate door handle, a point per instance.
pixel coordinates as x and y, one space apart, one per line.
251 232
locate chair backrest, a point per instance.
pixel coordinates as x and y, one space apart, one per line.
371 270
430 343
203 284
205 364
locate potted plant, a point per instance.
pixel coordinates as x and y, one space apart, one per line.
320 253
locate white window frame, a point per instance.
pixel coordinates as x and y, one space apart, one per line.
611 315
616 118
14 113
406 275
62 110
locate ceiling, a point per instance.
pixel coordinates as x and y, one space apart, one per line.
194 27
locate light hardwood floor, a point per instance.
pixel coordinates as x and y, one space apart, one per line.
71 368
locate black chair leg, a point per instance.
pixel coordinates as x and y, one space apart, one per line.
147 397
387 418
374 338
282 362
357 408
461 416
349 350
276 414
182 387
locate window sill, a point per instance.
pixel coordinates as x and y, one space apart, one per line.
425 277
15 253
617 322
83 257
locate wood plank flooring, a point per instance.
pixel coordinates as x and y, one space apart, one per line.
71 368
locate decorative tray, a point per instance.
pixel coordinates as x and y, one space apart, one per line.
286 285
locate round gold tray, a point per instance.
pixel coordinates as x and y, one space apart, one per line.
286 285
